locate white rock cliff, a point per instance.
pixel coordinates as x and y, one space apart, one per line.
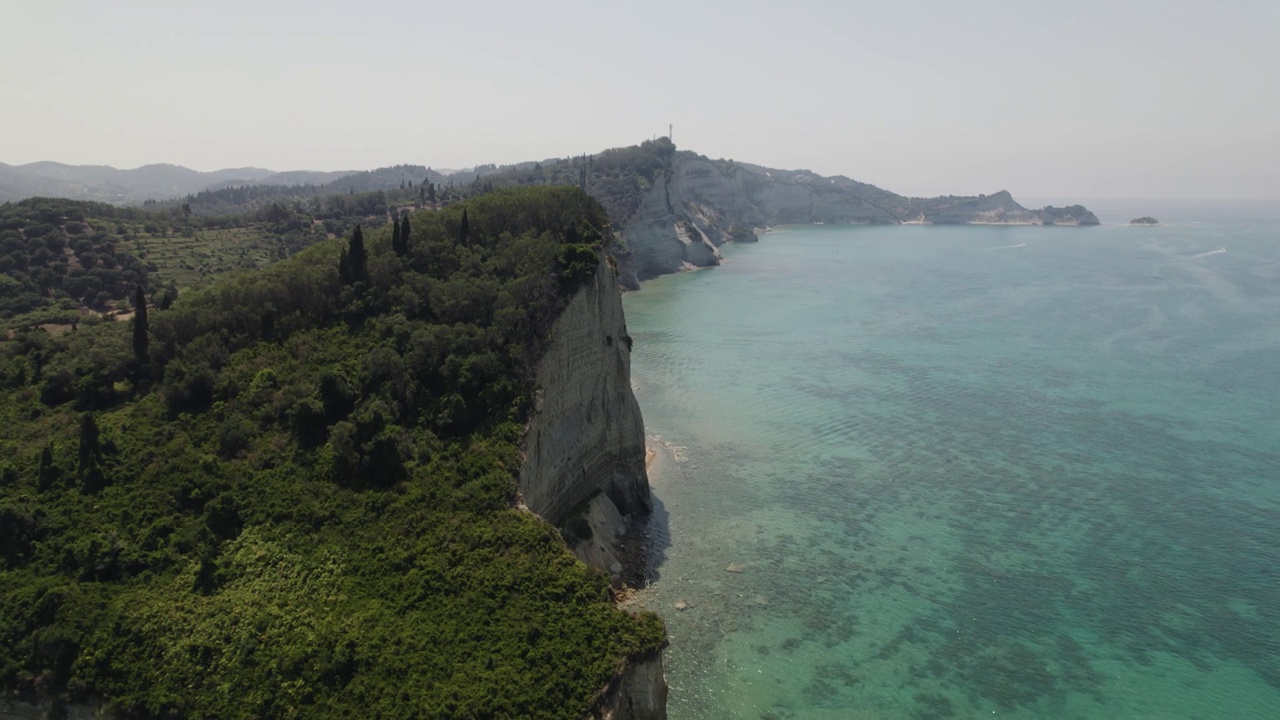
585 455
586 435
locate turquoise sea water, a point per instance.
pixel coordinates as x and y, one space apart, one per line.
963 471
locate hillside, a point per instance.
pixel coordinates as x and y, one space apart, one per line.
107 184
291 494
161 182
67 261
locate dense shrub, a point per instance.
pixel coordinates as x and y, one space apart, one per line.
307 511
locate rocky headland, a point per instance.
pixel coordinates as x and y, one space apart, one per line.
697 204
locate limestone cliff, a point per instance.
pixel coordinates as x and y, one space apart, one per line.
639 692
586 435
698 204
585 459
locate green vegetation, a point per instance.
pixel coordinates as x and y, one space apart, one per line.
292 497
617 178
63 262
57 255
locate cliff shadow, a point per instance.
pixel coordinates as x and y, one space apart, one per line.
657 534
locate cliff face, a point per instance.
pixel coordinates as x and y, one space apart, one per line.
585 451
698 204
586 435
639 692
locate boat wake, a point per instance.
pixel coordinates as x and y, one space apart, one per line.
1008 247
1219 251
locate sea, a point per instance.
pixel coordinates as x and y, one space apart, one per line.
971 471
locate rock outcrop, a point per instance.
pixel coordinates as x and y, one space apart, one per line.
586 435
1070 215
699 204
639 692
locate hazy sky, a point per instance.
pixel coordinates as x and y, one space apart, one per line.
1065 99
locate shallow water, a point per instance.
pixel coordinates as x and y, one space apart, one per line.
1017 471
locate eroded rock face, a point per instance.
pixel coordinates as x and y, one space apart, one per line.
607 527
586 433
638 693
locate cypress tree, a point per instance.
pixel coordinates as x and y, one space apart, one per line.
465 229
140 326
89 447
404 236
48 473
356 256
170 295
395 238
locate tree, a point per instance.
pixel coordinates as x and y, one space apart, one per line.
404 236
48 473
395 238
352 266
140 326
89 446
169 296
89 467
431 193
465 229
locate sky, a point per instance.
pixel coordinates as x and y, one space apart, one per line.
1056 100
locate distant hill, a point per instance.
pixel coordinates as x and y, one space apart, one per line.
102 183
107 184
387 178
287 178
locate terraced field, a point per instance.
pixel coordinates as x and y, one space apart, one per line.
190 260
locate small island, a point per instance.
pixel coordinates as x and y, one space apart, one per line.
1144 220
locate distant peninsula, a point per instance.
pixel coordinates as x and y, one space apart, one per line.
1144 220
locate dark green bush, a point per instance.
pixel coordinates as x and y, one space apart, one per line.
309 514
